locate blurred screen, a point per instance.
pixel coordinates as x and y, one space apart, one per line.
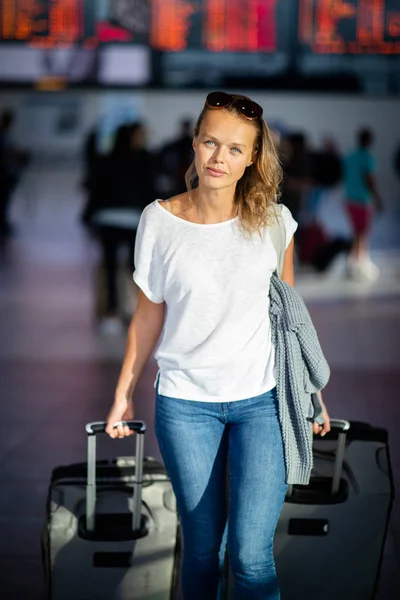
287 44
75 42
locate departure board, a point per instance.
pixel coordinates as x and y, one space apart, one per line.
39 23
281 44
55 23
75 42
358 27
324 45
357 42
225 25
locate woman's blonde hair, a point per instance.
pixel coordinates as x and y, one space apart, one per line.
258 190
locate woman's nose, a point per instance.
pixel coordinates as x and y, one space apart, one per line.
219 155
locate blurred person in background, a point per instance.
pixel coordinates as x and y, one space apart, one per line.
278 133
315 246
175 158
204 261
326 173
297 179
362 198
122 185
12 162
91 157
124 178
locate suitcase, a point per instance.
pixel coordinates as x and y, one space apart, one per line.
112 528
330 536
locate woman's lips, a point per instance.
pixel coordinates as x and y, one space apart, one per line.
215 172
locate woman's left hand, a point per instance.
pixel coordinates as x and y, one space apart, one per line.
322 429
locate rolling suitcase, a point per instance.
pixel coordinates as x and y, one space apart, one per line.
112 529
330 536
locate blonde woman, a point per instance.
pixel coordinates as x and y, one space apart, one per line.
204 261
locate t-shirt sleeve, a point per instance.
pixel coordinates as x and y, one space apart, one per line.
290 224
148 269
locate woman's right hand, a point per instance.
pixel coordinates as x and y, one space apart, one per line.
121 410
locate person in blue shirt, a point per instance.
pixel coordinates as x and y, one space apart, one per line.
362 198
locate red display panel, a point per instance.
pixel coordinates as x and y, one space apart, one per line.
350 27
227 25
234 26
170 23
324 26
204 43
44 24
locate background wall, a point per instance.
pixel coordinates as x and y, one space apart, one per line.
51 123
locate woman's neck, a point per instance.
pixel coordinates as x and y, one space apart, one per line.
213 206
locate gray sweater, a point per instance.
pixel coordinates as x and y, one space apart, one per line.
300 370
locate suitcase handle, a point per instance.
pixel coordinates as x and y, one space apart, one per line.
340 424
99 427
343 427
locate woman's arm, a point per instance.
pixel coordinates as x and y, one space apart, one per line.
288 276
288 269
143 334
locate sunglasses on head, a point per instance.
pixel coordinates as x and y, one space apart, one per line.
247 108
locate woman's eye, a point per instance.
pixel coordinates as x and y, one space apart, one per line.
236 150
210 142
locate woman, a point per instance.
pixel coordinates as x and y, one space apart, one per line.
203 261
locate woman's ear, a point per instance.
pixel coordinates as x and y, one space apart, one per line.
254 156
194 144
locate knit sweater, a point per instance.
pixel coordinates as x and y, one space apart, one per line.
300 370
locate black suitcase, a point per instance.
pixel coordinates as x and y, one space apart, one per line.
111 530
330 536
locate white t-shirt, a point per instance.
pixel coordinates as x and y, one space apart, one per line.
215 345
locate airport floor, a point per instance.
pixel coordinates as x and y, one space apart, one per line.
57 371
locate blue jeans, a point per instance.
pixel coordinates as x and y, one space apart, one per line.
196 439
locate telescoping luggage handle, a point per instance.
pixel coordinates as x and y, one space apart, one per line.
343 427
92 429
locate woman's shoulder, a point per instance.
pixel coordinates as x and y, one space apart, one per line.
289 223
177 205
282 215
151 215
159 211
279 211
283 212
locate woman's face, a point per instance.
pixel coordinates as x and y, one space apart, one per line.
224 148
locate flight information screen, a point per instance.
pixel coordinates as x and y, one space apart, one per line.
287 44
356 43
278 44
75 42
358 27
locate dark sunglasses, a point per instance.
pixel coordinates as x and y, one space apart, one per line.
249 109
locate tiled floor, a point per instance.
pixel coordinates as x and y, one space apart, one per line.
57 372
